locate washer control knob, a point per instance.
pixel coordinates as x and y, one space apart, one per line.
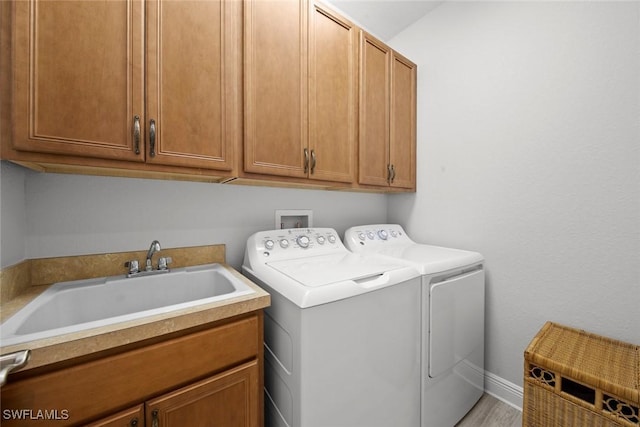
370 235
332 238
303 241
383 234
269 244
284 243
361 236
321 239
394 233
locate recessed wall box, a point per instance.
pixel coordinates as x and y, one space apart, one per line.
294 218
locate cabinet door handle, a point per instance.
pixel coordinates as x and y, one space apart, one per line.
136 134
393 173
154 418
306 160
152 138
313 160
389 173
133 423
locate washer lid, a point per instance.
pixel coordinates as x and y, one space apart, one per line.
333 268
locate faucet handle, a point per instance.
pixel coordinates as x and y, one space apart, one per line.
133 266
163 263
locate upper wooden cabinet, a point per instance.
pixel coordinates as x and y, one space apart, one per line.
78 77
286 92
300 91
402 141
375 78
387 116
193 82
275 87
154 81
333 96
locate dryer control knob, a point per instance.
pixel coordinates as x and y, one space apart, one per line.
284 243
332 238
303 241
269 244
383 234
370 235
321 239
361 236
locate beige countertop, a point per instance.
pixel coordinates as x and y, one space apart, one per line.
78 344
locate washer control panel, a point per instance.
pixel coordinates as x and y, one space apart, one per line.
374 235
289 243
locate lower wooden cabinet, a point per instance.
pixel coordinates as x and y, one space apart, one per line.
210 377
133 417
228 399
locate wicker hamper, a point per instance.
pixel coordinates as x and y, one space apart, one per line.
573 378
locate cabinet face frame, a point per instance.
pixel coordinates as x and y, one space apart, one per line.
50 125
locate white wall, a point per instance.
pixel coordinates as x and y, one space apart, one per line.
73 214
13 223
528 152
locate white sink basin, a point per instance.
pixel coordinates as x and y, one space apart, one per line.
83 304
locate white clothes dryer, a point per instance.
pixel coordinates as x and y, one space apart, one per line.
342 334
452 318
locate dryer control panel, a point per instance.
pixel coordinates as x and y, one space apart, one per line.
374 236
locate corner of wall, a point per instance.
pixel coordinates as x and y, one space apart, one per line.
503 390
12 214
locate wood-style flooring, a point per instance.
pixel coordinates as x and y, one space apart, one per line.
491 412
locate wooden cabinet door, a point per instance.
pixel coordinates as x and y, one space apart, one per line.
229 399
374 111
193 82
333 95
275 82
132 417
78 77
403 122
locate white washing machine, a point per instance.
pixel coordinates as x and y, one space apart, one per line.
452 318
342 334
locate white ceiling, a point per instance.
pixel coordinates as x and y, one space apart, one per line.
385 18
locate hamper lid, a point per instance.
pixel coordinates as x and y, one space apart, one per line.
601 362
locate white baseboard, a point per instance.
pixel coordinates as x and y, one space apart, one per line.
503 390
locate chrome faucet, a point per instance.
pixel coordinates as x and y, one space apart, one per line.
155 247
163 263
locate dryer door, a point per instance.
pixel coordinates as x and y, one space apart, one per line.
456 320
